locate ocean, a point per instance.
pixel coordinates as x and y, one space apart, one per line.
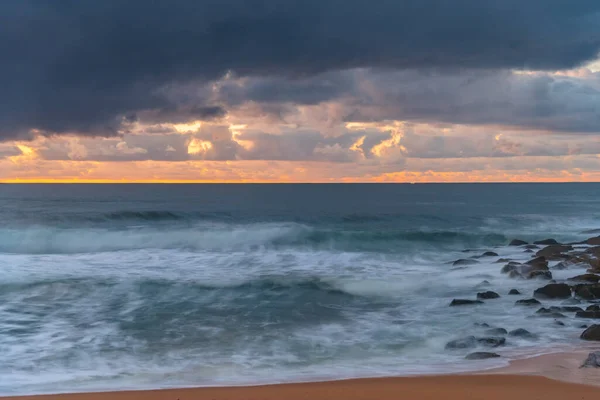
147 286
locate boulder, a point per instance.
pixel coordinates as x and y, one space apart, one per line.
547 275
531 247
540 262
588 314
549 313
592 360
546 242
482 325
492 341
559 323
488 295
517 242
553 291
521 333
464 302
496 331
592 333
553 250
587 292
593 278
464 261
567 308
514 292
527 302
481 355
464 343
511 266
503 260
489 254
593 307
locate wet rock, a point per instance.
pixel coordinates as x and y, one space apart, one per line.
511 266
593 278
540 262
527 302
559 323
592 360
464 302
592 333
553 250
496 331
489 254
528 251
523 333
567 308
593 307
483 325
517 242
464 343
492 341
514 292
488 295
588 314
584 326
549 313
531 247
595 241
481 355
464 261
503 260
587 292
539 275
546 242
553 291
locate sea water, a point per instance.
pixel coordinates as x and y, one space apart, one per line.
146 286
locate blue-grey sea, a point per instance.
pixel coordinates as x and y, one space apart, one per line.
146 286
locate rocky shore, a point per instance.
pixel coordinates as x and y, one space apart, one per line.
574 300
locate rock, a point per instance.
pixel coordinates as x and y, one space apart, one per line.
593 278
595 241
593 307
484 283
527 302
517 242
464 302
592 360
588 314
553 291
483 325
487 295
549 313
503 260
584 326
514 292
481 355
546 242
592 333
539 262
521 333
492 341
539 275
465 343
496 331
587 292
464 261
489 254
511 266
559 323
531 247
528 251
553 250
567 308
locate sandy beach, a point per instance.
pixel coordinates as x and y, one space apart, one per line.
549 377
463 387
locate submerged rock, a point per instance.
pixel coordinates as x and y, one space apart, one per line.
489 254
514 292
587 291
464 261
592 360
593 278
517 242
496 331
553 250
492 341
465 343
553 291
546 242
488 295
527 302
524 333
593 307
464 302
588 314
481 355
592 333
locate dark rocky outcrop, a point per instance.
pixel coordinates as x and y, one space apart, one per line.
552 251
546 242
464 261
593 307
593 278
567 308
527 302
464 302
481 355
588 314
472 341
492 341
517 242
549 313
595 241
592 333
482 325
559 323
521 333
488 295
496 331
531 247
511 266
587 292
592 360
502 260
547 275
514 292
553 291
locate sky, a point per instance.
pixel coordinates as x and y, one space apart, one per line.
299 91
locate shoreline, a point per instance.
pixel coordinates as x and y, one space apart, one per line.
549 376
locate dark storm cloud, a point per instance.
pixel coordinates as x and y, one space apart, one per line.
84 66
